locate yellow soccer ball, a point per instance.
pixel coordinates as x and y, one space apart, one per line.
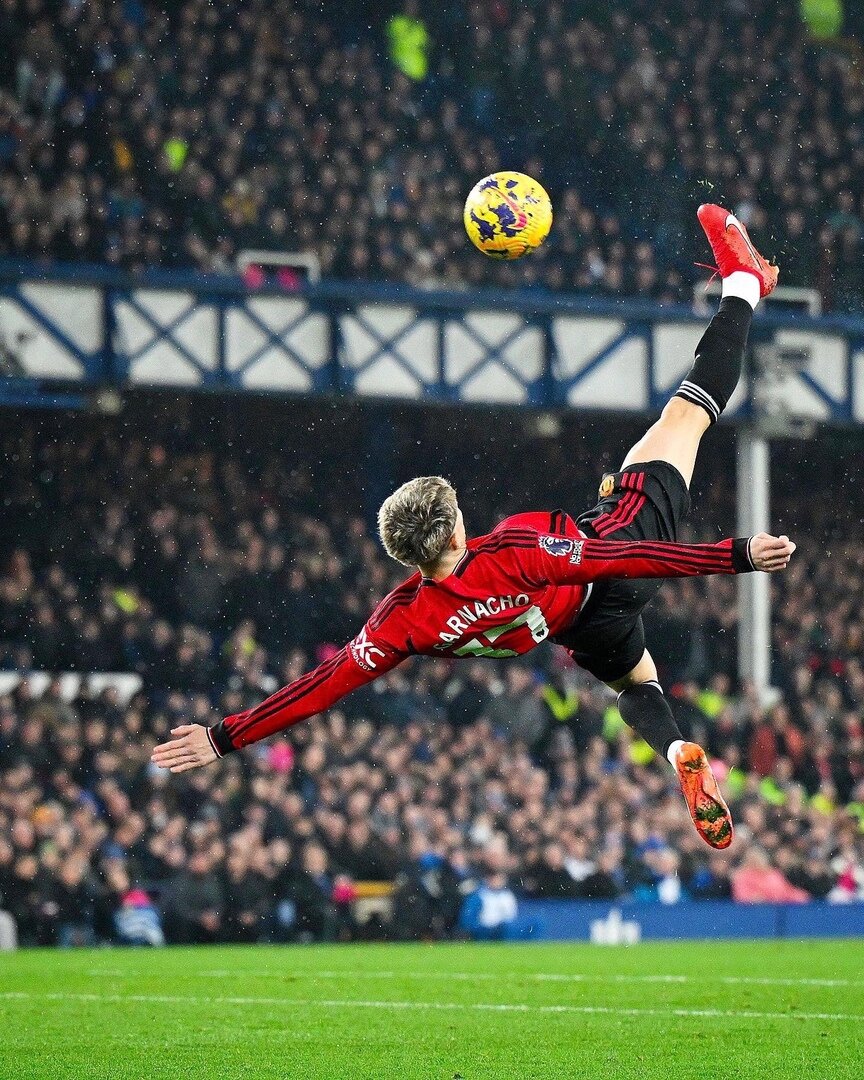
507 215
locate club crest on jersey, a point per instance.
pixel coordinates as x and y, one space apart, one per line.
607 486
556 545
363 651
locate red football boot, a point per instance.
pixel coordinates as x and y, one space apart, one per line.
706 805
733 249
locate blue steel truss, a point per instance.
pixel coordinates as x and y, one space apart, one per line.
535 349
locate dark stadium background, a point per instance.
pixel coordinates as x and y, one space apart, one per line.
218 545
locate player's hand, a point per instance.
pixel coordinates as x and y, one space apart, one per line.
189 749
770 553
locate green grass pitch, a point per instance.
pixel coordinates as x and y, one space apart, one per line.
743 1010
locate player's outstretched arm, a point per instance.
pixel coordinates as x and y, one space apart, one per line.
194 745
591 560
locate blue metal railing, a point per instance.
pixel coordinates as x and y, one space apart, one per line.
76 328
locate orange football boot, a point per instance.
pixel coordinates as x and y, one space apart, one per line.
706 805
733 249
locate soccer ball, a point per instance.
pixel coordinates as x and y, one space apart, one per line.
507 215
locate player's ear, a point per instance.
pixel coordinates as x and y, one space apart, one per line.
456 540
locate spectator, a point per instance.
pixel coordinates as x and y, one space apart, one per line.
578 863
517 712
311 890
365 857
550 880
813 876
662 884
194 903
427 898
711 881
848 865
409 42
606 881
72 903
756 882
489 912
824 18
247 899
137 920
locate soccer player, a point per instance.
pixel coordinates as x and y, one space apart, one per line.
544 576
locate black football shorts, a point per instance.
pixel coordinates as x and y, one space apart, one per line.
645 502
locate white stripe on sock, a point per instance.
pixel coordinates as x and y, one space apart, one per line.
700 391
702 397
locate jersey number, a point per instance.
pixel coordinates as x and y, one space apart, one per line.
532 618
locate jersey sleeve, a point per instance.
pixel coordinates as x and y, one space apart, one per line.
566 561
369 655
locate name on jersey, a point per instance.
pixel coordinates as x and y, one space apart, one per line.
561 546
476 610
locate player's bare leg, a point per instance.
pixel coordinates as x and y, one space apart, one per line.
675 439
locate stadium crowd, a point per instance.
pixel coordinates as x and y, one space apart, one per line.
132 545
152 134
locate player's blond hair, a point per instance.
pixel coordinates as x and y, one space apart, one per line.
416 522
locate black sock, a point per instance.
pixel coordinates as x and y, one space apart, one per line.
647 711
719 355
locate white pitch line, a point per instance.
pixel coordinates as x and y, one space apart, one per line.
480 976
437 1006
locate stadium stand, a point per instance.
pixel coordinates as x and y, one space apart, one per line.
203 551
199 546
128 137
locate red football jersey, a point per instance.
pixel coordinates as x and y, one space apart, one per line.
522 583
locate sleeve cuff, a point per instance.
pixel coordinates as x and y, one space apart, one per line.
741 561
220 739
